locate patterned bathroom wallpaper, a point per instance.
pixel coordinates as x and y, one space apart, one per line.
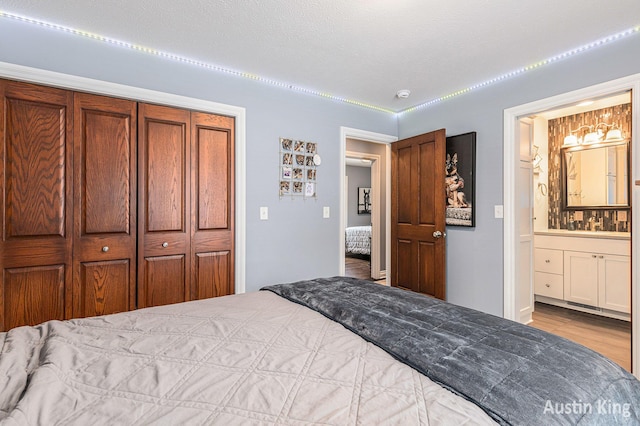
619 115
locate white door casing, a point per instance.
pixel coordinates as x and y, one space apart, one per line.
364 135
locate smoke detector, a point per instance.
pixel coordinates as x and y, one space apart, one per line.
403 94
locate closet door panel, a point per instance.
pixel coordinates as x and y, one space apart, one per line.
164 235
214 275
213 177
105 187
164 280
36 175
99 292
33 295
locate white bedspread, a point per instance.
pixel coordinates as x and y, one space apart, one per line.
358 240
247 359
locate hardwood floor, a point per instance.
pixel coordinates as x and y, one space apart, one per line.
608 336
357 268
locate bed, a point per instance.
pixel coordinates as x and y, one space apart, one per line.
358 240
334 351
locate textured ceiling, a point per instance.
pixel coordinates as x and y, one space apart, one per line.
363 50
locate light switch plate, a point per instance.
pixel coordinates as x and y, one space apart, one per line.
326 212
498 212
264 213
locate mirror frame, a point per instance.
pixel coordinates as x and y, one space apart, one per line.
563 175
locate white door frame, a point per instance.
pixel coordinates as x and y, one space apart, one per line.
374 172
511 225
83 84
364 135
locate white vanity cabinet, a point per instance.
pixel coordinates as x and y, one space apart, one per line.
590 272
581 277
548 279
614 278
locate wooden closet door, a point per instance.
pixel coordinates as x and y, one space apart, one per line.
164 201
212 205
105 167
36 179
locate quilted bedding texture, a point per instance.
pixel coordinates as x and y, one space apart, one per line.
518 374
358 240
254 358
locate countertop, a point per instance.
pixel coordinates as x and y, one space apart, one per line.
586 234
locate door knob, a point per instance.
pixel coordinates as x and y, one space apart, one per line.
437 234
105 249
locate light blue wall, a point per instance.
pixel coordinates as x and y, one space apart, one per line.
296 242
475 255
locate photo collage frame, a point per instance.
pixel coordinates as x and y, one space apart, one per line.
298 168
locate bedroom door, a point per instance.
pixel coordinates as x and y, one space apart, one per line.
418 257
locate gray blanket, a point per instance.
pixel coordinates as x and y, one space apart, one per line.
517 374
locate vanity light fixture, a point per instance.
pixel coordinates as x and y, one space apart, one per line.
595 134
572 139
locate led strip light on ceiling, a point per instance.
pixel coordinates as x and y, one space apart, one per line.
556 58
217 68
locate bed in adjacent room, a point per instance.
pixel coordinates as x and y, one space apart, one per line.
358 240
333 351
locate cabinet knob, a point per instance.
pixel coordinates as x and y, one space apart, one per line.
601 257
165 244
547 261
105 249
594 256
547 285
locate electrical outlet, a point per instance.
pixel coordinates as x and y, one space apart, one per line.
264 213
498 212
326 212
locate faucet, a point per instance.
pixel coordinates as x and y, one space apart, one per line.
595 225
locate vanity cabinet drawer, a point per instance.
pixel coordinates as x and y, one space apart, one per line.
549 285
548 260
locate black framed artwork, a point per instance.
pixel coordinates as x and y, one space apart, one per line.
460 185
364 200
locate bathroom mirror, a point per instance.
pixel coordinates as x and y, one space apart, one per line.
596 176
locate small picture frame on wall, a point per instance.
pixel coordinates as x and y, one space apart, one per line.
364 200
460 185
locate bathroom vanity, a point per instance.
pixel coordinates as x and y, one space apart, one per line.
584 270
